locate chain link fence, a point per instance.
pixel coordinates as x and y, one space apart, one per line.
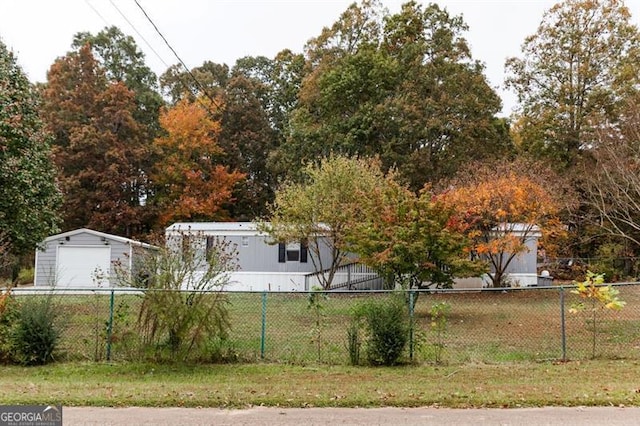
448 326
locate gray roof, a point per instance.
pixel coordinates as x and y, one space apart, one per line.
97 234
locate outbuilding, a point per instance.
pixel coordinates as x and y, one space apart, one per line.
84 258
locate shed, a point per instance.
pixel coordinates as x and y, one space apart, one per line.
80 258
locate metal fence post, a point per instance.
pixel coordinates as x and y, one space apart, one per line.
110 325
411 325
264 324
562 325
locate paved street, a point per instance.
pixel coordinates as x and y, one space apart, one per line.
583 416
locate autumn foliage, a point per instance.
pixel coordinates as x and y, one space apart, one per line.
501 208
411 240
100 149
414 240
191 183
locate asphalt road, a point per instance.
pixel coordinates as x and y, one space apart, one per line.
583 416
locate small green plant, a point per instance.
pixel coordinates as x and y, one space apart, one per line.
388 331
315 302
25 276
354 342
8 315
220 349
124 339
356 332
439 314
99 278
36 332
598 296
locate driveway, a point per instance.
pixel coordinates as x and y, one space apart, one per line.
584 416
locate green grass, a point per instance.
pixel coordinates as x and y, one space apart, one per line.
522 384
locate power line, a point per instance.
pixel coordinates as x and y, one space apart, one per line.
107 24
200 86
96 11
138 32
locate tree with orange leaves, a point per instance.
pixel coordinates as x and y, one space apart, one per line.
99 148
503 207
191 183
412 240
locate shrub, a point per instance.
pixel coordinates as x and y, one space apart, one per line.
25 276
36 332
183 306
388 329
8 315
220 349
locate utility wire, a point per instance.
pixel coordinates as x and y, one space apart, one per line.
96 11
138 32
200 86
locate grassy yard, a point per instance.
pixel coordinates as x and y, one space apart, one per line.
482 327
522 384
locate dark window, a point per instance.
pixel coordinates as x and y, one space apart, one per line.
292 252
304 250
211 241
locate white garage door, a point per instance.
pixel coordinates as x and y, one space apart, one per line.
77 266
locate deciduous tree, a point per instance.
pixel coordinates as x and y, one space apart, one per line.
502 207
411 240
321 209
29 197
404 87
352 206
442 112
122 61
99 147
247 138
574 74
254 98
191 183
611 181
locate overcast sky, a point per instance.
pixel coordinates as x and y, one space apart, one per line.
39 31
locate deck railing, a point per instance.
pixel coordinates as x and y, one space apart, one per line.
351 276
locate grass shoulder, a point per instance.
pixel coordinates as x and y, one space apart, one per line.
243 385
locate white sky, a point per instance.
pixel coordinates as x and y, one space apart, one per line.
39 31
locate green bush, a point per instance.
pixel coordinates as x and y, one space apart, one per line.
220 349
25 276
36 332
388 331
8 315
